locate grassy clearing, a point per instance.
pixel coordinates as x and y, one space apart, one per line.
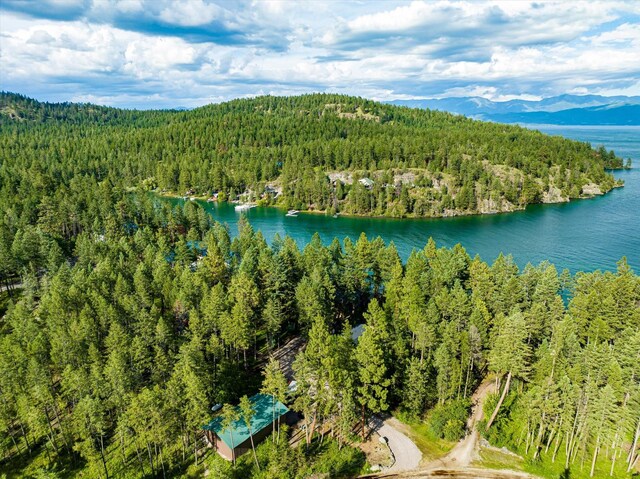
579 470
420 433
543 467
496 459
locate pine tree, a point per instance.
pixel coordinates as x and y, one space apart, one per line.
275 385
415 388
372 363
509 354
230 416
248 412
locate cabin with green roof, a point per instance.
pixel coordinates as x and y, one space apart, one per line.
232 443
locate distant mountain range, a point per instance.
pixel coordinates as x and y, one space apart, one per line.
558 110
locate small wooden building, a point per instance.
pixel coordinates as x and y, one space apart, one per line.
234 442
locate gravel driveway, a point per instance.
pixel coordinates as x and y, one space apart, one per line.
406 453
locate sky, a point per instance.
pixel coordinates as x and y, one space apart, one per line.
186 53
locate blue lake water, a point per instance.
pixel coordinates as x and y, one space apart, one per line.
582 235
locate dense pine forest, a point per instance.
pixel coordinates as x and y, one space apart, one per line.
124 320
112 358
305 152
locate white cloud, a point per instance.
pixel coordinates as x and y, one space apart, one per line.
40 37
498 50
621 34
189 13
632 89
509 23
145 57
489 92
77 48
129 6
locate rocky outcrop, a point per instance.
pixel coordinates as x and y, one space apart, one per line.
591 189
491 207
554 195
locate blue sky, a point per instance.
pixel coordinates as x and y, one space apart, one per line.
170 53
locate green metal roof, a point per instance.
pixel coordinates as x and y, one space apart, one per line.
266 412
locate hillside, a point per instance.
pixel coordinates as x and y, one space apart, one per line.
311 149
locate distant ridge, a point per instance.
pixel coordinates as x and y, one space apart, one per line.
597 115
560 110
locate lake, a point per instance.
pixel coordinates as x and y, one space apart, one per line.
582 235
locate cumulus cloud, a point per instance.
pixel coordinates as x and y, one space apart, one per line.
40 37
190 13
158 53
469 23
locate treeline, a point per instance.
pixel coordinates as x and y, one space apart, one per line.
113 356
237 148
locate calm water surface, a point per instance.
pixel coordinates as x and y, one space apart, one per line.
583 235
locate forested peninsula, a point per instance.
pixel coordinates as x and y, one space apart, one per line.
320 152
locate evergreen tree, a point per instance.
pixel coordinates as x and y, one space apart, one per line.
372 363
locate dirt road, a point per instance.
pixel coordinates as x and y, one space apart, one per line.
466 451
457 463
463 473
406 453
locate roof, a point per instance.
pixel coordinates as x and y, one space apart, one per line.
264 408
357 331
366 181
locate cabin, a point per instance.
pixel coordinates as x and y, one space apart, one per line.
270 191
232 443
366 182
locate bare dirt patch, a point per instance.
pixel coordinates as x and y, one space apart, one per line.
377 453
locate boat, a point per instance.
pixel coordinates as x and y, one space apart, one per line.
292 213
244 207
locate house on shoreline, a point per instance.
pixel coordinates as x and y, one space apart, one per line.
232 443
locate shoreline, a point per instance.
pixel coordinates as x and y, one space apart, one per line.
455 214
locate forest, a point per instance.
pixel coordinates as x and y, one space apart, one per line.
306 152
111 358
123 320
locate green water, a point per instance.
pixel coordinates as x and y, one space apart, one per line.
583 235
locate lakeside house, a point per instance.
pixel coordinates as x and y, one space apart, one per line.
232 443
